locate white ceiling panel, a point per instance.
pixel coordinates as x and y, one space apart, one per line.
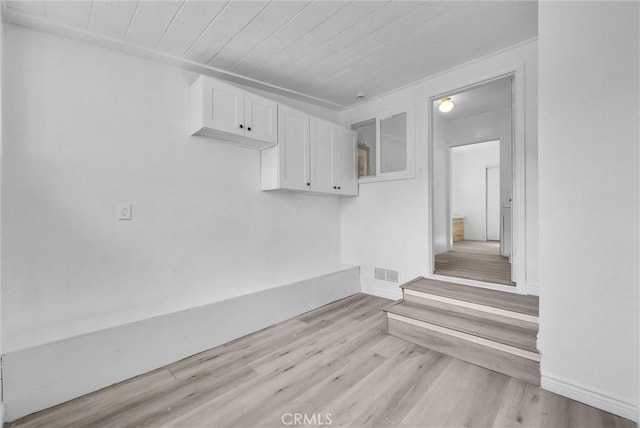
438 45
372 23
448 49
370 46
151 20
191 20
274 16
349 16
328 50
292 31
227 25
112 18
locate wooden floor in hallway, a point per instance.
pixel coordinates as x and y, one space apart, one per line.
478 260
334 365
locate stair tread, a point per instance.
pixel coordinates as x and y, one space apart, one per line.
492 330
510 364
524 304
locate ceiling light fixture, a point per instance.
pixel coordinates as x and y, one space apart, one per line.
446 105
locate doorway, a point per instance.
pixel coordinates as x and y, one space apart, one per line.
473 183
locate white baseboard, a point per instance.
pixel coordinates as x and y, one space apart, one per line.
392 292
587 395
43 376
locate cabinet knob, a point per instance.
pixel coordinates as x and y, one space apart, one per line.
308 184
241 126
248 128
335 187
339 187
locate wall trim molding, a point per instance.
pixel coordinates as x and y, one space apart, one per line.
88 362
588 395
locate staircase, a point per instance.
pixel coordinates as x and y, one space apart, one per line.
489 328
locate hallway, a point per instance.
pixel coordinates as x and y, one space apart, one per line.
478 260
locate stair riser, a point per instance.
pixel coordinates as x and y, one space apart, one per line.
425 301
497 360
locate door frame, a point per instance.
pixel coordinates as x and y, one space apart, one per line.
518 204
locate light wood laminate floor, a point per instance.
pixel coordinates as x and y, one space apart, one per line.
479 260
335 363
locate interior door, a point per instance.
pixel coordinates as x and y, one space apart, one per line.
293 148
261 117
493 204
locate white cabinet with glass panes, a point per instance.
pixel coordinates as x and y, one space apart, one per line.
385 146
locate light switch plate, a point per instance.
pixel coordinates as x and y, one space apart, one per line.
124 212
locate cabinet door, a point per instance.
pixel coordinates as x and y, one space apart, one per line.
224 107
293 149
346 164
323 139
261 118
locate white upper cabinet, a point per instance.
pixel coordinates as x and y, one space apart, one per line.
323 136
333 159
228 113
345 176
260 118
312 155
286 166
223 107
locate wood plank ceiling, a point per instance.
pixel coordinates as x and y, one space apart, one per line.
328 50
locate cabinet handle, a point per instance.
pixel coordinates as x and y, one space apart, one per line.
248 128
241 126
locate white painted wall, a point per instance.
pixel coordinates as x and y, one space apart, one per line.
387 225
87 128
589 201
468 185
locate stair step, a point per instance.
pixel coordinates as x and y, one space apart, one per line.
509 304
477 311
506 334
517 363
490 328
